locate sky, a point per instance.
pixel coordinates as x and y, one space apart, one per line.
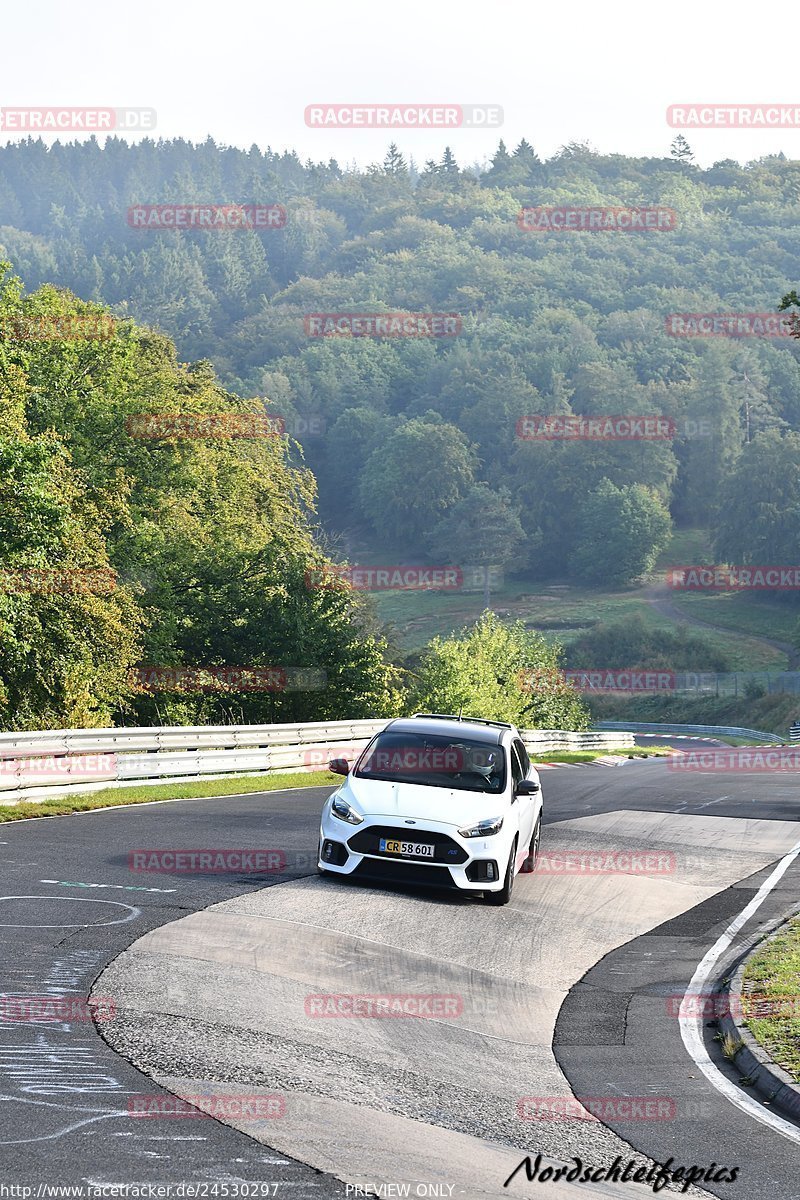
575 70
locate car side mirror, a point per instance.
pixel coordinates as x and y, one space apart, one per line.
527 787
339 766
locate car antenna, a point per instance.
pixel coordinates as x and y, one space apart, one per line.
460 711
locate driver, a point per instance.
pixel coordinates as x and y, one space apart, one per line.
486 763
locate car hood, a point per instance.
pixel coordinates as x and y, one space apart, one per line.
380 798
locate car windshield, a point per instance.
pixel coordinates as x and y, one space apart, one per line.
435 761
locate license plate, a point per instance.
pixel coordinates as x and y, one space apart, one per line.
419 849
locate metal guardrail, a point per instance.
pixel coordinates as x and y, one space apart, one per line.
46 763
545 741
690 730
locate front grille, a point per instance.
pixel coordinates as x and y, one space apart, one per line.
401 871
447 850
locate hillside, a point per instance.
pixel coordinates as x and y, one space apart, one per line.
550 322
428 448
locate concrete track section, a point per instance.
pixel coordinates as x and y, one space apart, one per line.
228 1000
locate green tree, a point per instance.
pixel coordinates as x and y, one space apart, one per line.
499 672
525 153
209 537
632 644
708 456
394 162
759 520
355 434
421 470
448 164
681 151
68 628
501 160
481 530
619 534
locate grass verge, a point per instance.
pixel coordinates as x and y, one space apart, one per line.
742 741
114 797
579 756
774 972
742 612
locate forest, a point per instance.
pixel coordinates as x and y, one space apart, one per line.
411 423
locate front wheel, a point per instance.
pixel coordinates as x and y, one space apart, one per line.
533 850
504 895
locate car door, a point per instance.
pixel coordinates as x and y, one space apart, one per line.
526 804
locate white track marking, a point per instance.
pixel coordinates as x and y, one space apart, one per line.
691 1027
97 1115
122 887
133 913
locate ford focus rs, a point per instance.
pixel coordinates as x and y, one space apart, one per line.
436 800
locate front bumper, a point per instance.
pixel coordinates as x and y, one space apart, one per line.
469 864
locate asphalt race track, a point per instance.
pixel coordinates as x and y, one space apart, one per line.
566 992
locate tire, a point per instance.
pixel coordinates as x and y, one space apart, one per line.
504 895
533 850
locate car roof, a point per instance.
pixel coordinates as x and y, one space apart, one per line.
492 735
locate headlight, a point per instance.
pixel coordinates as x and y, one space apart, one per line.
345 812
483 828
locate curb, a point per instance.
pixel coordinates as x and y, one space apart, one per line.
608 760
773 1084
685 737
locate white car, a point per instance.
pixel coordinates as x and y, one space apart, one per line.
436 800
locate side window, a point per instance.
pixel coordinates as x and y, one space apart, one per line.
525 762
516 769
